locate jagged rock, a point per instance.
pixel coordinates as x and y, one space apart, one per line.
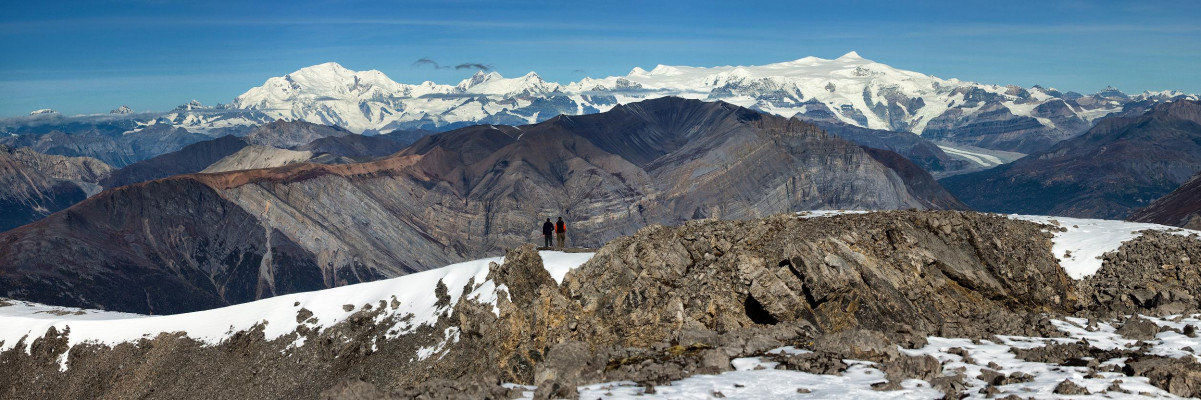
857 344
1134 279
952 386
1067 387
1179 376
814 363
910 367
1068 353
523 273
783 270
566 366
1137 328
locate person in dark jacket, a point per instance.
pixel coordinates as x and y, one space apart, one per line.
560 232
547 229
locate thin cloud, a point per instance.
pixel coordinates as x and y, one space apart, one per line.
426 61
478 66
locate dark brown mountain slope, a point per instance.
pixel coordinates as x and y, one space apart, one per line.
1180 208
192 158
285 134
1119 165
359 147
459 195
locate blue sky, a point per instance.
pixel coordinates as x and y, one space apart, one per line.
92 56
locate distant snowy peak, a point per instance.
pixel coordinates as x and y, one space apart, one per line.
43 112
191 105
849 89
121 110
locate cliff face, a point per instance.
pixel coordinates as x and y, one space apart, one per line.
1121 164
476 191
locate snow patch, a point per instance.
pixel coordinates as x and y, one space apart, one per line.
1080 247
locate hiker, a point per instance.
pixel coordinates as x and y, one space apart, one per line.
547 229
560 232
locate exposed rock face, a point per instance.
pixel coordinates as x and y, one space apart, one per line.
192 158
916 148
878 272
472 192
993 127
1180 208
1121 164
255 157
161 262
77 169
33 185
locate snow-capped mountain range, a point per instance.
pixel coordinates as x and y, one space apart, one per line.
848 89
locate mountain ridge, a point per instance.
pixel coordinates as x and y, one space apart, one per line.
357 222
1119 165
849 89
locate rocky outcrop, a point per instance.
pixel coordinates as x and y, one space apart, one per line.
1156 274
654 307
473 192
651 307
1179 208
256 157
1121 164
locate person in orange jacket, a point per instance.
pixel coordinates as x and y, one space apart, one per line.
560 232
